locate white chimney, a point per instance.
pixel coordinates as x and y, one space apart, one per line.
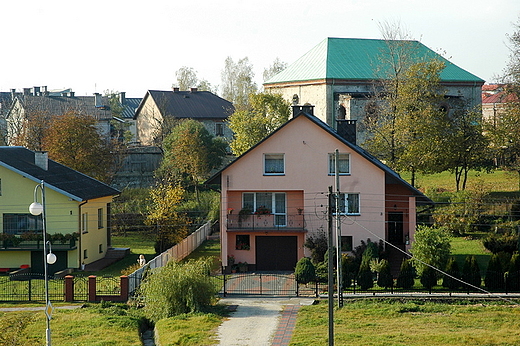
41 159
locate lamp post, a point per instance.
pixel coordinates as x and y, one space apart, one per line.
37 208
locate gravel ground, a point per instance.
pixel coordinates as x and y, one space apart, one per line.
255 320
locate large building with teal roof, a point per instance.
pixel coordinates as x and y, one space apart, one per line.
339 75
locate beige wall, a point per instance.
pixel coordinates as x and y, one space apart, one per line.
95 236
148 122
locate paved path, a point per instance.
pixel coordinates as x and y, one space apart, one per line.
41 308
260 321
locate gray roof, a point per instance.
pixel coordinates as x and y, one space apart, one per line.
196 105
57 105
130 106
391 177
57 177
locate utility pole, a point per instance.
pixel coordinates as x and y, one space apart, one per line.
331 269
338 232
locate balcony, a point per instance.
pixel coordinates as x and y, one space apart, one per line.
36 245
266 222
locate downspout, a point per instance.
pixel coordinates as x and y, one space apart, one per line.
80 233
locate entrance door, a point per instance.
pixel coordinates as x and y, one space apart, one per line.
276 253
395 228
37 262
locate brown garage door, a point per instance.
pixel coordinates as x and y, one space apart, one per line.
276 253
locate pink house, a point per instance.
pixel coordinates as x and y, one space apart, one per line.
276 194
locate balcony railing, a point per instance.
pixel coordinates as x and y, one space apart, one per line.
29 245
266 222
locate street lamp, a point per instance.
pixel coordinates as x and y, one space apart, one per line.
37 208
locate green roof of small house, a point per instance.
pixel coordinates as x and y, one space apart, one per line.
361 59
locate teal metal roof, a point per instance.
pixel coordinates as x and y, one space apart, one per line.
361 59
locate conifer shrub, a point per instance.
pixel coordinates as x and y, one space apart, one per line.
471 272
494 279
406 278
384 276
452 268
429 278
513 273
365 279
305 271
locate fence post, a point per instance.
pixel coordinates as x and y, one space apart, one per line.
69 288
92 288
124 287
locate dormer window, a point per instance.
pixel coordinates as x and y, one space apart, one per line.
274 164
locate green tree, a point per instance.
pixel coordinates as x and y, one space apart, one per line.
365 277
178 288
305 271
431 246
164 217
186 78
237 81
384 276
191 152
453 271
465 145
513 273
265 113
428 278
471 272
73 140
494 279
406 278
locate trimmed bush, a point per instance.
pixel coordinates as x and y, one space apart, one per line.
494 279
429 278
513 273
471 271
406 278
501 243
305 271
365 278
452 268
384 276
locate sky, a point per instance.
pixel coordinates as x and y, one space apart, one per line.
135 46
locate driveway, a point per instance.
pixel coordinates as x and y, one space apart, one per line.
255 320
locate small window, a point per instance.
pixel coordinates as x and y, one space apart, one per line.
85 253
84 223
343 164
219 129
100 218
346 243
100 248
242 242
274 164
349 203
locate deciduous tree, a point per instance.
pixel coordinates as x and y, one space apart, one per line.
431 247
250 125
237 81
191 152
74 141
186 78
276 67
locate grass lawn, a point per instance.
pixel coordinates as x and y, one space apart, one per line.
392 323
472 245
95 325
498 181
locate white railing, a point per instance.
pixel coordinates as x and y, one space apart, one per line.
177 252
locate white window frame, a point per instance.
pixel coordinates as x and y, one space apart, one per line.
345 208
100 222
280 215
342 158
274 156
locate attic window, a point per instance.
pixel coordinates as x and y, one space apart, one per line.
274 164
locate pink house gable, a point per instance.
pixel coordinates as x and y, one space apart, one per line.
275 195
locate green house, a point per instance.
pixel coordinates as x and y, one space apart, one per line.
337 76
77 209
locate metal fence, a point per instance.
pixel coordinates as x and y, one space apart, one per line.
30 287
177 252
272 284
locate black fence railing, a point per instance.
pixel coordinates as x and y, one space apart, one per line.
266 222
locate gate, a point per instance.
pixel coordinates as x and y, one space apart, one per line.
264 283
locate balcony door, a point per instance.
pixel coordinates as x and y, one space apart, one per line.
274 202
